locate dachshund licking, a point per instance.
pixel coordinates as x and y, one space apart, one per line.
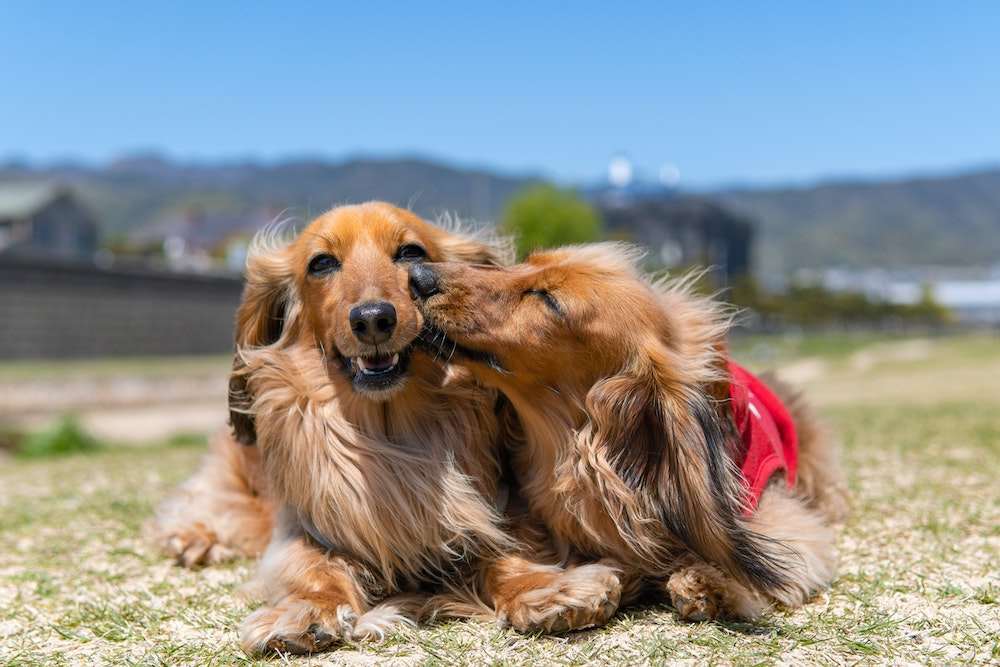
640 441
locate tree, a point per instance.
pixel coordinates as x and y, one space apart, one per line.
545 216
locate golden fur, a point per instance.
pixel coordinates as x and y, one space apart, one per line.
223 511
377 464
620 386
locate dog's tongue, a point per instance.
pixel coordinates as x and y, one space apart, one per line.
377 364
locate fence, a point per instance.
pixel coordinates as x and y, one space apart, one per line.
52 310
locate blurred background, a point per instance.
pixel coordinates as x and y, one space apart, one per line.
836 166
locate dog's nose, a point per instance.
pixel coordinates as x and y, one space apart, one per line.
423 281
373 322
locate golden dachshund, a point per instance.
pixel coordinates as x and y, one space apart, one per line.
640 441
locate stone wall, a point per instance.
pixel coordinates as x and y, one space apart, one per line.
55 310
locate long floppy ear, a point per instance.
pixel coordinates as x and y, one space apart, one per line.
260 321
668 443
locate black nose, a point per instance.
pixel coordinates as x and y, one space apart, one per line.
423 281
373 322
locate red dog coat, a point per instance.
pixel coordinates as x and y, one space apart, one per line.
770 442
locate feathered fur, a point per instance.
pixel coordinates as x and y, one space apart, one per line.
620 384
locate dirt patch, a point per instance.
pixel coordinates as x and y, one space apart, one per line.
903 351
127 408
920 371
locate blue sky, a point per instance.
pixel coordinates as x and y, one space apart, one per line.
729 92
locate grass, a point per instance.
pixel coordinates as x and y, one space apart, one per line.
65 437
919 581
62 369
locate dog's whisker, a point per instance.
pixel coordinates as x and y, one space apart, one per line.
441 340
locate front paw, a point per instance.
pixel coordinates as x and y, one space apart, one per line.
702 593
298 627
694 593
577 598
196 544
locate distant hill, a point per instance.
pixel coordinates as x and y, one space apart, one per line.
138 192
949 220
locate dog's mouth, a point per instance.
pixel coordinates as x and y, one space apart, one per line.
379 375
375 367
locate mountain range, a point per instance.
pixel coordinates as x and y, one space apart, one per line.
140 191
948 220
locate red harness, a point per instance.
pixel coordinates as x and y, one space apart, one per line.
770 442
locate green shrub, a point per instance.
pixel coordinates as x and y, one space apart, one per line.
65 437
545 216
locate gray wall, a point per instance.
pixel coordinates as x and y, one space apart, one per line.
54 310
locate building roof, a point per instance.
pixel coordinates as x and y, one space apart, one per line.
206 230
22 199
673 210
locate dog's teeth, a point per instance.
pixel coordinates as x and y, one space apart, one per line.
368 368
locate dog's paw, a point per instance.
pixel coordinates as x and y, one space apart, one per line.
576 598
692 598
196 544
300 627
703 593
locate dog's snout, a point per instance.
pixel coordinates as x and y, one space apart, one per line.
373 322
423 281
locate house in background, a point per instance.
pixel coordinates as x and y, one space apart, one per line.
199 240
45 219
681 231
59 298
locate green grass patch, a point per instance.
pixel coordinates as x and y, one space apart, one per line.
777 349
65 437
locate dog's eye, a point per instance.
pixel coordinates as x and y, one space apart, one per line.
548 300
410 252
323 264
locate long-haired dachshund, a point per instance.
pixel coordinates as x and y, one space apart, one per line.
640 441
378 465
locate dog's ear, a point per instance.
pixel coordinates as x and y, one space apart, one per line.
260 321
244 429
494 251
667 442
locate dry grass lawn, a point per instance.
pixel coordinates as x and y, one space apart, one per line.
920 573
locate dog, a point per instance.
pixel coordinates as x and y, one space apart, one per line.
635 424
378 465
